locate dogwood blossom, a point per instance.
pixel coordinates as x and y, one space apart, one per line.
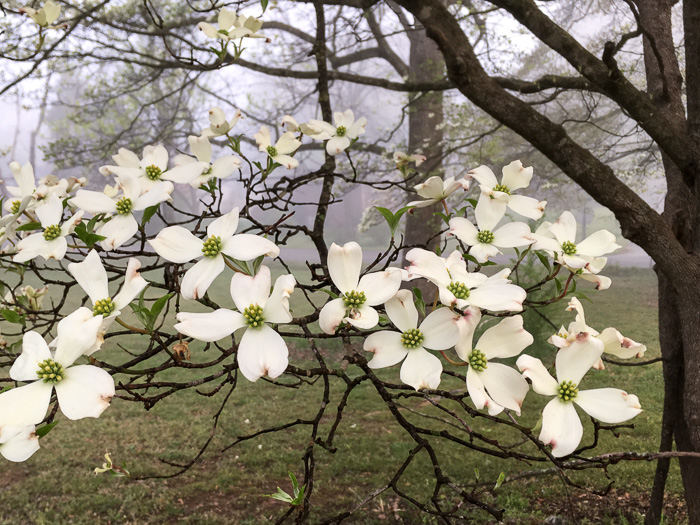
82 390
148 170
438 331
490 384
341 135
45 16
197 172
218 123
261 350
232 26
460 288
51 242
122 225
402 159
358 296
292 125
282 149
515 177
484 240
562 243
561 426
18 444
91 275
435 190
178 245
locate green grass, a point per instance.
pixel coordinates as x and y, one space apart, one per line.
57 485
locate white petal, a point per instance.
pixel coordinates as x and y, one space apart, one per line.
527 206
50 211
201 147
609 405
86 391
440 329
91 276
542 381
421 369
208 30
489 212
466 325
364 318
246 247
565 228
118 231
344 265
483 252
185 173
432 188
386 347
575 360
464 230
402 311
77 333
337 145
211 326
498 297
35 245
599 243
21 446
249 290
505 385
484 176
513 234
429 265
262 352
160 192
516 176
225 166
262 138
507 339
94 202
24 405
126 158
133 284
618 345
287 143
476 389
198 278
225 226
277 308
177 245
332 314
356 129
34 351
379 287
561 427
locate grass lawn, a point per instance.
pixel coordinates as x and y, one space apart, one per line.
57 485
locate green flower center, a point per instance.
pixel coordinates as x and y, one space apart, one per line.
485 237
568 391
272 151
52 232
459 290
103 307
253 316
412 338
50 371
212 246
569 248
124 206
15 207
502 188
354 299
478 361
153 172
340 131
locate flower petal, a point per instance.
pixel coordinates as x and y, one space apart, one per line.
246 247
498 297
506 339
527 206
197 279
427 264
34 351
484 176
332 314
505 385
516 176
402 311
421 369
133 284
21 446
225 226
618 345
201 147
337 145
49 212
249 290
225 166
177 245
118 231
489 212
561 427
86 391
599 243
364 318
466 325
158 193
609 405
262 352
464 230
542 381
77 333
513 234
277 308
91 276
379 287
210 326
94 202
386 347
575 360
440 329
24 405
565 228
344 265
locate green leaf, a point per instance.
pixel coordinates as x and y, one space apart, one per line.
148 213
559 286
392 219
499 481
544 260
41 432
418 300
12 317
443 216
473 202
30 226
159 304
263 4
6 389
476 473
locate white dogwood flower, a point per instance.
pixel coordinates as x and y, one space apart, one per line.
460 288
45 16
358 296
91 275
82 390
123 225
261 350
515 177
18 444
484 240
218 125
282 149
178 245
438 331
402 159
232 26
51 242
561 426
490 384
148 170
197 172
435 190
562 244
340 136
